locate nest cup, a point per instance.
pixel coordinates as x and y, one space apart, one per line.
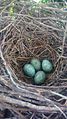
31 37
24 42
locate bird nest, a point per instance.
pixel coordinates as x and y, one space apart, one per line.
41 33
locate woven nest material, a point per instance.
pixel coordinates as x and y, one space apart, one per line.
42 34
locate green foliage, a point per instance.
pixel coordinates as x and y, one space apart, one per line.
11 9
44 1
9 6
34 6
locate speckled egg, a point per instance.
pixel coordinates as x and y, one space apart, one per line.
39 78
29 70
47 65
36 63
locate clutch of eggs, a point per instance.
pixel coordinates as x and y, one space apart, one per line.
38 70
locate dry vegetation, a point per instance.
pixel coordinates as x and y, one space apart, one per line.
40 33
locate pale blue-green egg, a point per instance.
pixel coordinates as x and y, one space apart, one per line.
39 78
47 66
29 70
36 63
